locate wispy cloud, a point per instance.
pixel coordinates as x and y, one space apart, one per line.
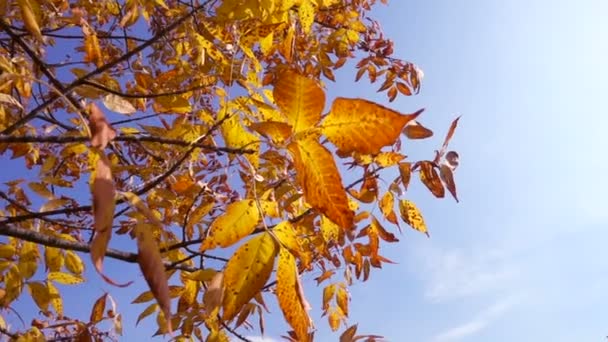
261 339
479 322
456 274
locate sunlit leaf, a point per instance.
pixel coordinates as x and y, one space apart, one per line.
318 175
65 278
98 309
247 272
239 220
412 216
40 294
73 263
414 130
300 99
357 125
288 295
118 104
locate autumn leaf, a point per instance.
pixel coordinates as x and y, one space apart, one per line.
349 334
278 132
101 131
118 104
289 297
318 175
414 130
103 212
40 294
153 269
447 139
447 176
386 205
357 125
411 215
299 98
214 294
247 272
30 18
430 178
98 309
405 172
239 220
65 278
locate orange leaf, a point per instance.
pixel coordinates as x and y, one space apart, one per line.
386 206
318 175
153 269
349 334
247 272
356 125
300 98
278 132
101 131
414 130
430 178
403 89
289 295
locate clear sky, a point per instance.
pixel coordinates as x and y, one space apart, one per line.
522 257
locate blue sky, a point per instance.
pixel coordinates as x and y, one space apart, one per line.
521 258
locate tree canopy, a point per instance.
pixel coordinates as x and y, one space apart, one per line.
200 134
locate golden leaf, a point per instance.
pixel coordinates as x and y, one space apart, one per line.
411 215
55 298
73 263
239 220
286 234
53 258
29 17
98 309
153 269
236 136
357 125
147 312
414 130
387 159
40 294
278 132
386 205
118 104
300 99
65 278
247 272
342 299
318 175
306 12
41 190
288 295
405 171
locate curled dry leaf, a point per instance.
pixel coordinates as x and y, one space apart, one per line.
101 131
153 269
103 191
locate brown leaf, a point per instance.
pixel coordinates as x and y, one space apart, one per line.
103 214
349 334
430 178
414 130
214 294
101 131
98 308
405 171
153 269
448 178
447 139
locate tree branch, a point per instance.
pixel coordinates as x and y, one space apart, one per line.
126 138
52 241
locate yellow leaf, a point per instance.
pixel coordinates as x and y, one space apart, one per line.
7 251
29 17
236 136
40 294
286 234
147 312
329 230
41 190
328 294
73 263
318 175
386 205
201 275
300 99
342 299
289 295
173 104
239 220
357 125
98 309
55 298
411 215
306 12
278 132
386 159
65 278
144 297
247 272
153 269
53 258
